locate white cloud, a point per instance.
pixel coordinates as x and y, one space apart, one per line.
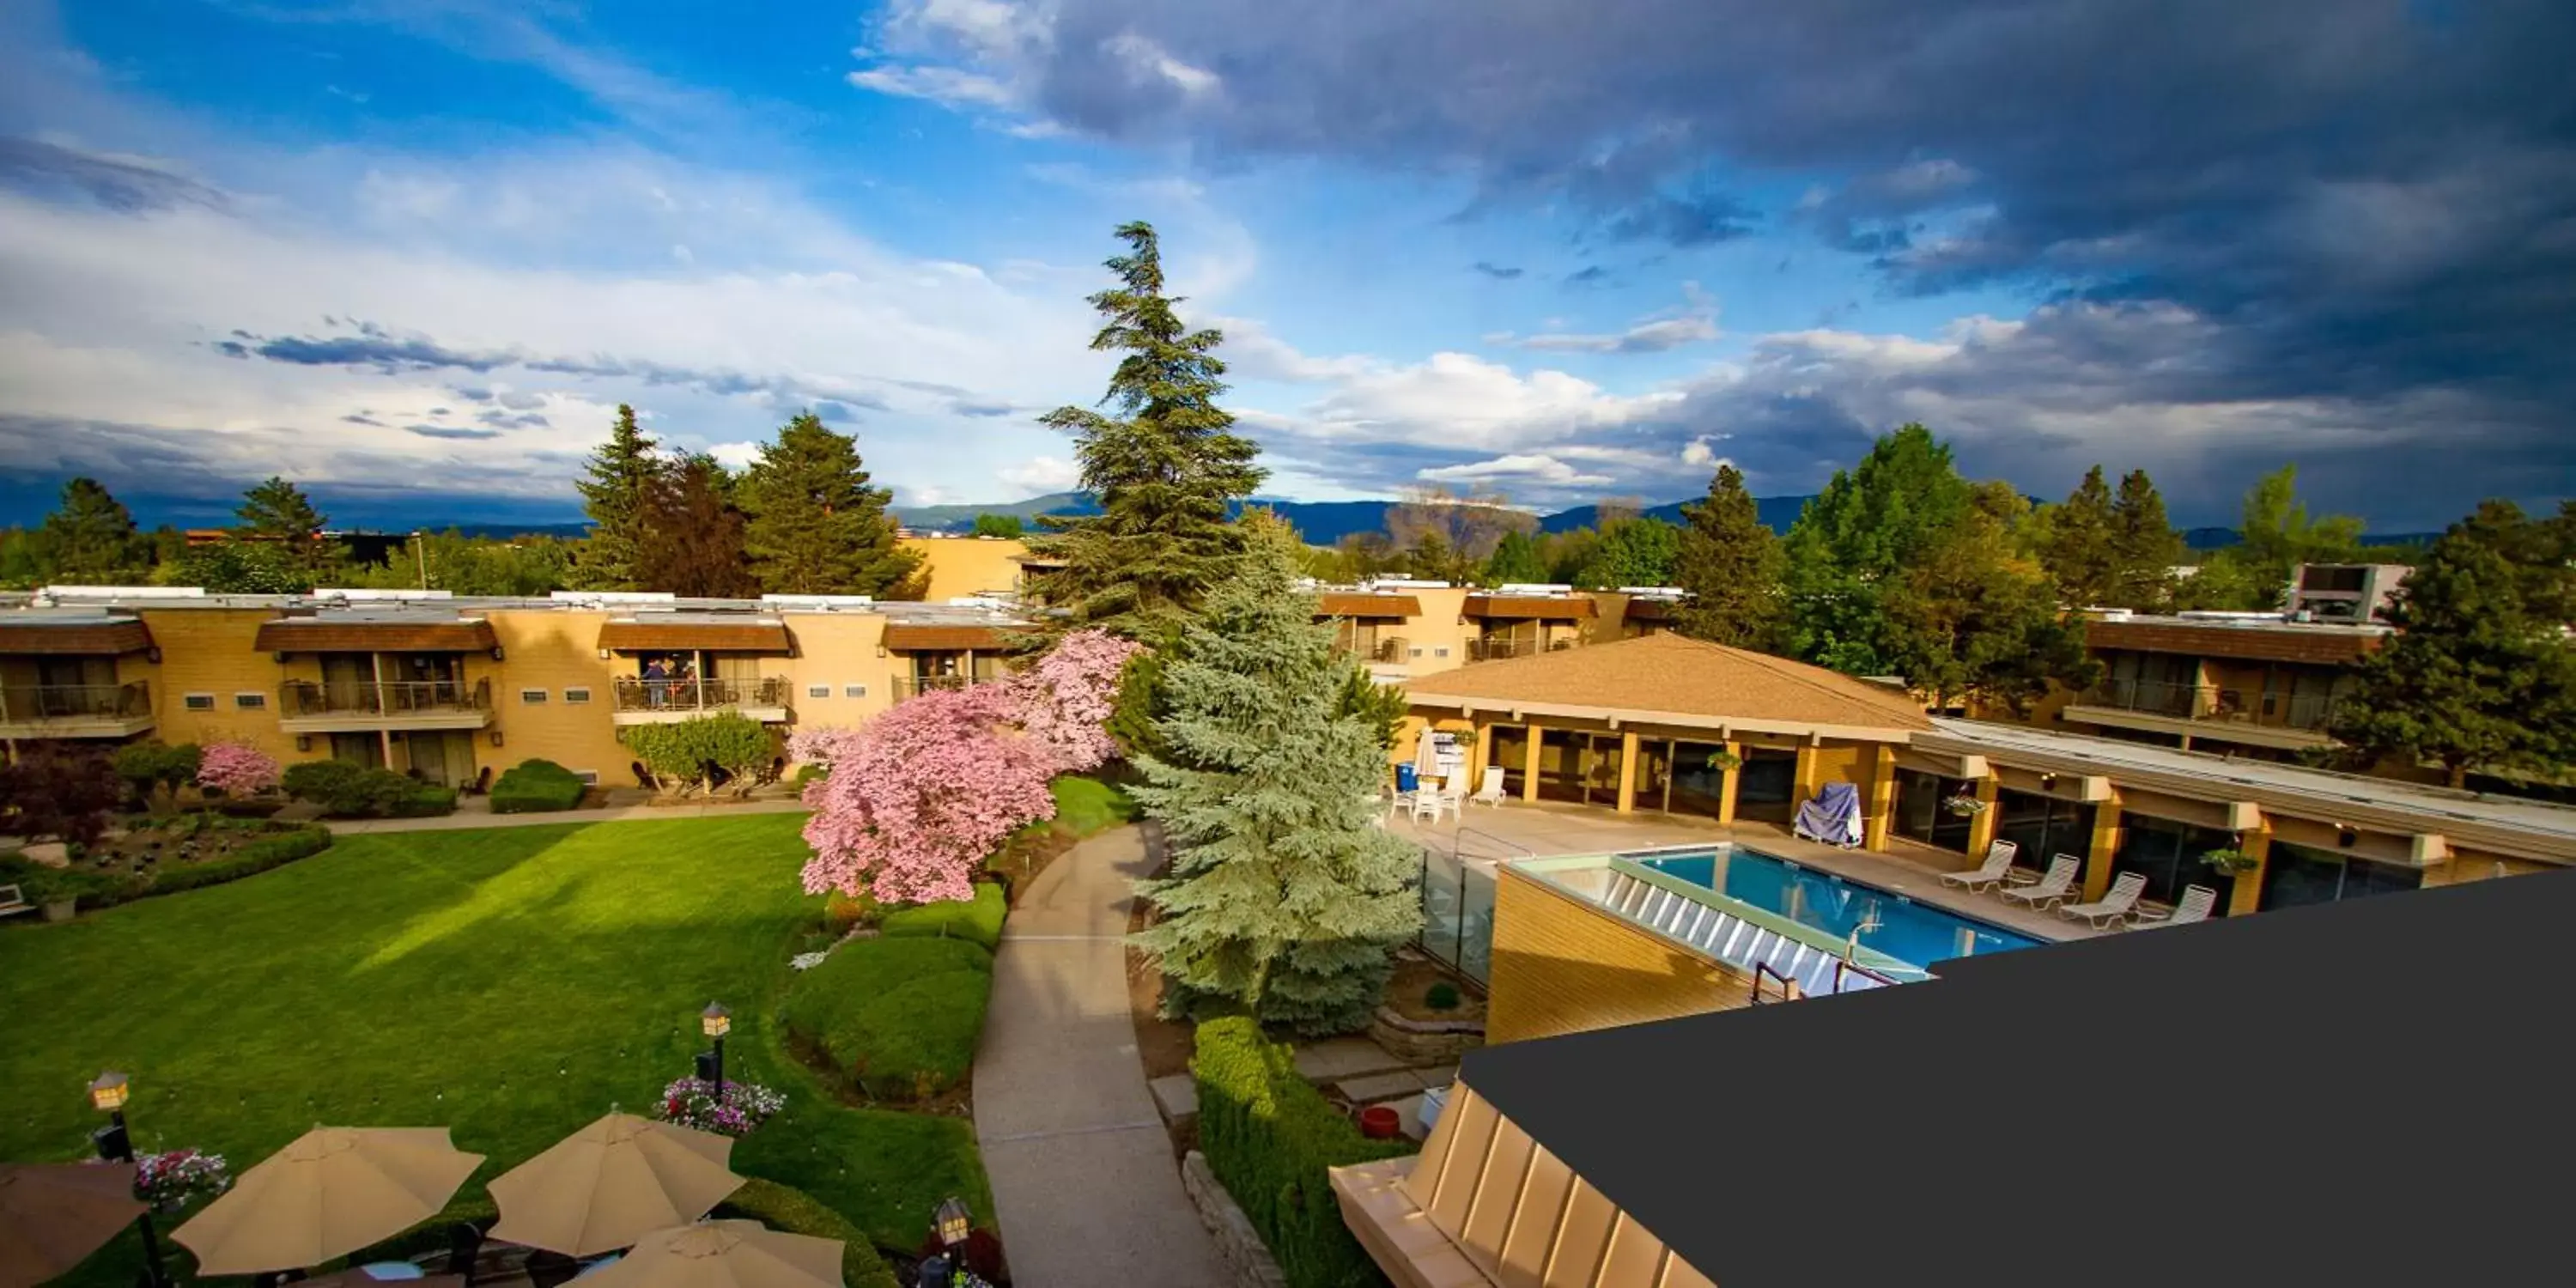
945 86
1461 401
1695 322
1699 452
1041 475
735 456
1518 467
1145 56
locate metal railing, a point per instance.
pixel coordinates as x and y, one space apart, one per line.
75 701
1393 648
2312 711
633 693
382 697
913 686
1499 647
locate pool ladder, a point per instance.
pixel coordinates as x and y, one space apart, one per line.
1756 950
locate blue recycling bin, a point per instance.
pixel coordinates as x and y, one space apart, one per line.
1406 780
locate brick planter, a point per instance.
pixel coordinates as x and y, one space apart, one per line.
1425 1041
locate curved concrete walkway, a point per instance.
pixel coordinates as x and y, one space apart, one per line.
1084 1186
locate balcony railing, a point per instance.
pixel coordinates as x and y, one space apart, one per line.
127 701
1498 648
913 686
382 698
709 694
2309 711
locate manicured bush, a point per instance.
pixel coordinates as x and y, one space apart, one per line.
426 802
977 920
250 860
345 790
536 787
148 765
898 1016
1442 996
842 913
320 781
794 1211
96 890
681 755
1270 1137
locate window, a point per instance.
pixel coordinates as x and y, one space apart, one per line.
1442 651
2297 874
2168 854
576 697
854 690
198 702
533 697
588 777
2042 827
250 701
1921 814
818 690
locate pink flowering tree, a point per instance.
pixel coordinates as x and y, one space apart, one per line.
236 769
918 797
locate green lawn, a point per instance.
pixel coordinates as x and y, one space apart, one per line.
510 984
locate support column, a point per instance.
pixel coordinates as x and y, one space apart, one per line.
1726 785
1882 797
2106 844
1628 772
1981 828
2247 896
384 736
1529 763
1482 756
1803 780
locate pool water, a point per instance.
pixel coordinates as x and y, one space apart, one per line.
1908 931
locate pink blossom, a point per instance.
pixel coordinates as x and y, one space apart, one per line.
1067 696
236 769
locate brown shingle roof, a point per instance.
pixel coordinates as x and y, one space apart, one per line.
1527 607
2322 645
715 637
1345 603
939 637
93 638
388 635
1675 675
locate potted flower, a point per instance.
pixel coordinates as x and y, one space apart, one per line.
1722 760
2230 861
171 1179
1964 805
693 1102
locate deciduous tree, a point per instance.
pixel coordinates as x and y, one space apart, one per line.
1632 551
1852 542
1969 618
1730 562
816 527
1515 559
2274 536
1007 526
692 539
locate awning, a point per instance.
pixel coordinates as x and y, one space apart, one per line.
1343 603
945 637
75 639
633 636
1649 610
324 635
1533 607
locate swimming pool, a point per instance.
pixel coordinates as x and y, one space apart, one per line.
1908 931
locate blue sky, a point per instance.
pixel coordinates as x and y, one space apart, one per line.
413 252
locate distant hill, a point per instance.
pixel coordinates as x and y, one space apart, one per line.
959 518
1319 522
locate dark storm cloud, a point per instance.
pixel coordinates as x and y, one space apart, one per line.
447 431
501 419
361 418
980 408
1496 270
126 184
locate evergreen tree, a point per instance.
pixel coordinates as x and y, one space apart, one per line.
1515 559
1730 562
2073 542
2145 549
276 510
617 495
1850 544
816 527
91 538
692 540
2480 674
1164 469
1631 551
1283 900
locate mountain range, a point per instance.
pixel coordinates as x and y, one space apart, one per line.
1320 522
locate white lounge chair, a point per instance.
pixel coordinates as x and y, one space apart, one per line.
1491 792
2118 903
13 902
2052 886
2196 904
1998 865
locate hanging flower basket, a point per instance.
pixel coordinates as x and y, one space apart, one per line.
2230 862
170 1180
1722 761
1964 806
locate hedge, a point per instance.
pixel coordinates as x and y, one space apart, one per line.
94 890
899 1017
346 790
977 920
1270 1137
536 787
793 1211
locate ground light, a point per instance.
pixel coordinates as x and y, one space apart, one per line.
108 1094
715 1022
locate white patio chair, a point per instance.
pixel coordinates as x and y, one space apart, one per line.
12 902
1998 865
2115 905
2052 886
1491 793
2196 904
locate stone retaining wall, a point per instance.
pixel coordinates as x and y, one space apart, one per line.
1424 1041
1237 1243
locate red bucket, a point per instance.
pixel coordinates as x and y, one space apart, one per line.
1380 1122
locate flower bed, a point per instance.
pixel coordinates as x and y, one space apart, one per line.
168 855
693 1102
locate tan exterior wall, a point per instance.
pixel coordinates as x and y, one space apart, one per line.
962 566
214 651
1564 966
2478 865
833 652
553 651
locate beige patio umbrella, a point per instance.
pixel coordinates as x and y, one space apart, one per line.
611 1183
334 1190
724 1254
53 1215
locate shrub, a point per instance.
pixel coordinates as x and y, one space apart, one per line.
1442 996
148 765
1270 1137
809 774
796 1212
250 860
536 787
842 913
319 781
61 792
426 802
344 790
899 1016
236 769
977 920
684 754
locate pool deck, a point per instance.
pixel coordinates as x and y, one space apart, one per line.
1542 828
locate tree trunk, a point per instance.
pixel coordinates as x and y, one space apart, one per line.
2456 775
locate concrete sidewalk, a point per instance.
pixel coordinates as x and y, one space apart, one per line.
1084 1186
463 820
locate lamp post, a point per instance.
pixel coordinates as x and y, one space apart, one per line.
715 1022
115 1144
951 1222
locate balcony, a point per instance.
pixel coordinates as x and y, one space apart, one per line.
913 686
1498 648
2245 716
75 710
641 701
357 706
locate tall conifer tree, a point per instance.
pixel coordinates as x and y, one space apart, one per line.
1730 563
815 526
91 538
617 495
